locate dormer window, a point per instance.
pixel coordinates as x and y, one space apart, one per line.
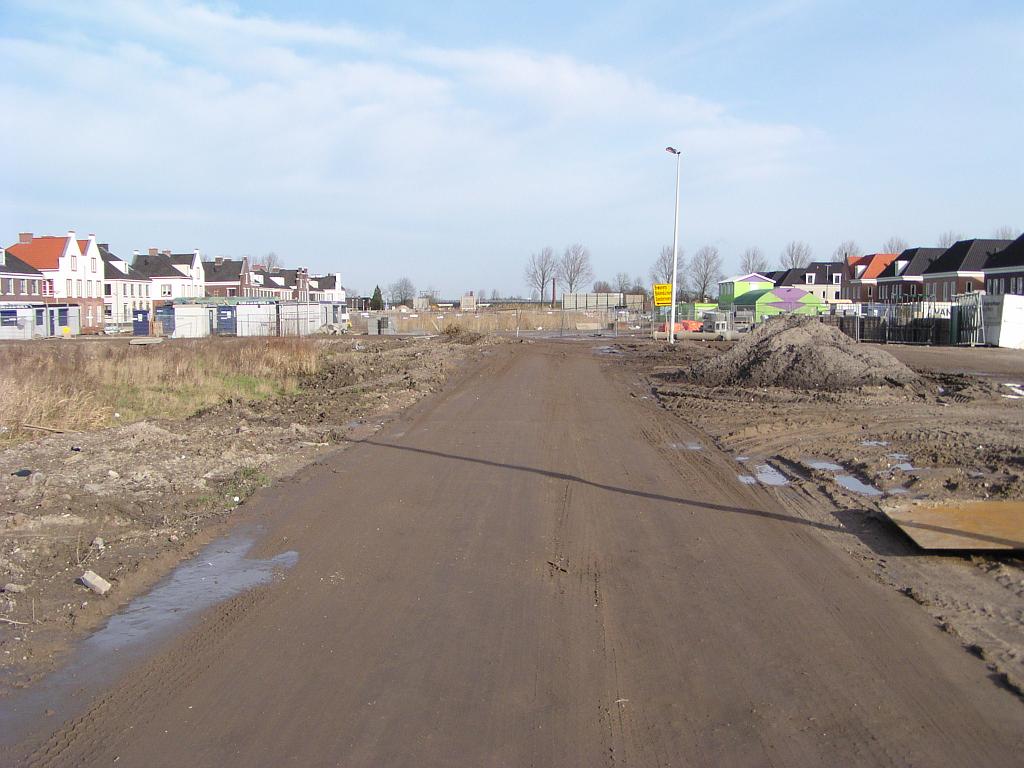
837 278
809 278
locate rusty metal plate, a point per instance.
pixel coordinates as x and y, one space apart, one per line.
990 525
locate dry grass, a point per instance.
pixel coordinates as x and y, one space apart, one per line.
80 385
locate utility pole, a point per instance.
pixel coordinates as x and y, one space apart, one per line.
675 252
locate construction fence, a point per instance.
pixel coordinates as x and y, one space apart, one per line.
548 322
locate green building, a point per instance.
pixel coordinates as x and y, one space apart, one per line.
732 288
778 301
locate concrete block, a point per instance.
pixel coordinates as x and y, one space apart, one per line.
95 582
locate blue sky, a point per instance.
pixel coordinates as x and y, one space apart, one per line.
448 143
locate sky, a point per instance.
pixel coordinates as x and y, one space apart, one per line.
447 142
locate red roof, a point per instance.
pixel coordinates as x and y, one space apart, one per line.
83 246
876 264
41 252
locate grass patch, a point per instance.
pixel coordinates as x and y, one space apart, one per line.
80 385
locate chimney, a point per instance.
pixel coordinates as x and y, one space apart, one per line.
25 237
71 234
153 251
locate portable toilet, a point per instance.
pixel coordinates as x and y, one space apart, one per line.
227 321
140 322
165 316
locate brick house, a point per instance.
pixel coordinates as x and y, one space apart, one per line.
19 281
862 276
228 277
72 272
904 277
960 269
1004 270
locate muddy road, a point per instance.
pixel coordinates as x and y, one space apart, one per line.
517 572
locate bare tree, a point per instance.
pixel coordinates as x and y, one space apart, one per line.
753 260
796 255
705 271
623 282
539 270
401 291
603 286
661 270
638 287
949 237
846 249
894 245
1006 232
574 267
269 262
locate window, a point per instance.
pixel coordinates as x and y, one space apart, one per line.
74 263
146 286
107 290
837 295
131 290
165 290
94 264
69 287
88 289
837 278
809 278
871 291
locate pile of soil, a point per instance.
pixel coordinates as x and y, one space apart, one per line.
801 353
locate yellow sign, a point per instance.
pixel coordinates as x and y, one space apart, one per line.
663 294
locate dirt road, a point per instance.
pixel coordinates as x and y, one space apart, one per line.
524 571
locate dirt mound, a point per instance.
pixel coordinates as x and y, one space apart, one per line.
802 353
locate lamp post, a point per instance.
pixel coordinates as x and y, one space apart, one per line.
675 251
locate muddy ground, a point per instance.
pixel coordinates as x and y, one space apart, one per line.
840 458
131 502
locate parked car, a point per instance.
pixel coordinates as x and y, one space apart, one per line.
111 328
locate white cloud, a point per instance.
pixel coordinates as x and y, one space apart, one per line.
277 132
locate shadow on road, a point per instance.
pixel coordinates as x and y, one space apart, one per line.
612 488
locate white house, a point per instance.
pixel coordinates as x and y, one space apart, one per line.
72 271
172 275
124 288
327 288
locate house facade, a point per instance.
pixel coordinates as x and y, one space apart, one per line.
125 289
960 269
822 278
903 278
72 272
861 284
1004 270
228 277
327 288
172 275
19 281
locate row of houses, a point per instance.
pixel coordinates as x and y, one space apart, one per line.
993 266
108 289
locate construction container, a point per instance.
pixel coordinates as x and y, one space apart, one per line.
298 318
256 319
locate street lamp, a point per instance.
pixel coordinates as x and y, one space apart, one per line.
675 252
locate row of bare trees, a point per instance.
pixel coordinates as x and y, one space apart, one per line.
572 269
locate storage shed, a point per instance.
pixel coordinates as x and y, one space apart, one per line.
778 301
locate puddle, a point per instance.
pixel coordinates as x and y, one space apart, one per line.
769 475
905 466
851 483
747 479
824 464
220 570
899 456
1017 389
607 351
686 446
742 458
876 443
